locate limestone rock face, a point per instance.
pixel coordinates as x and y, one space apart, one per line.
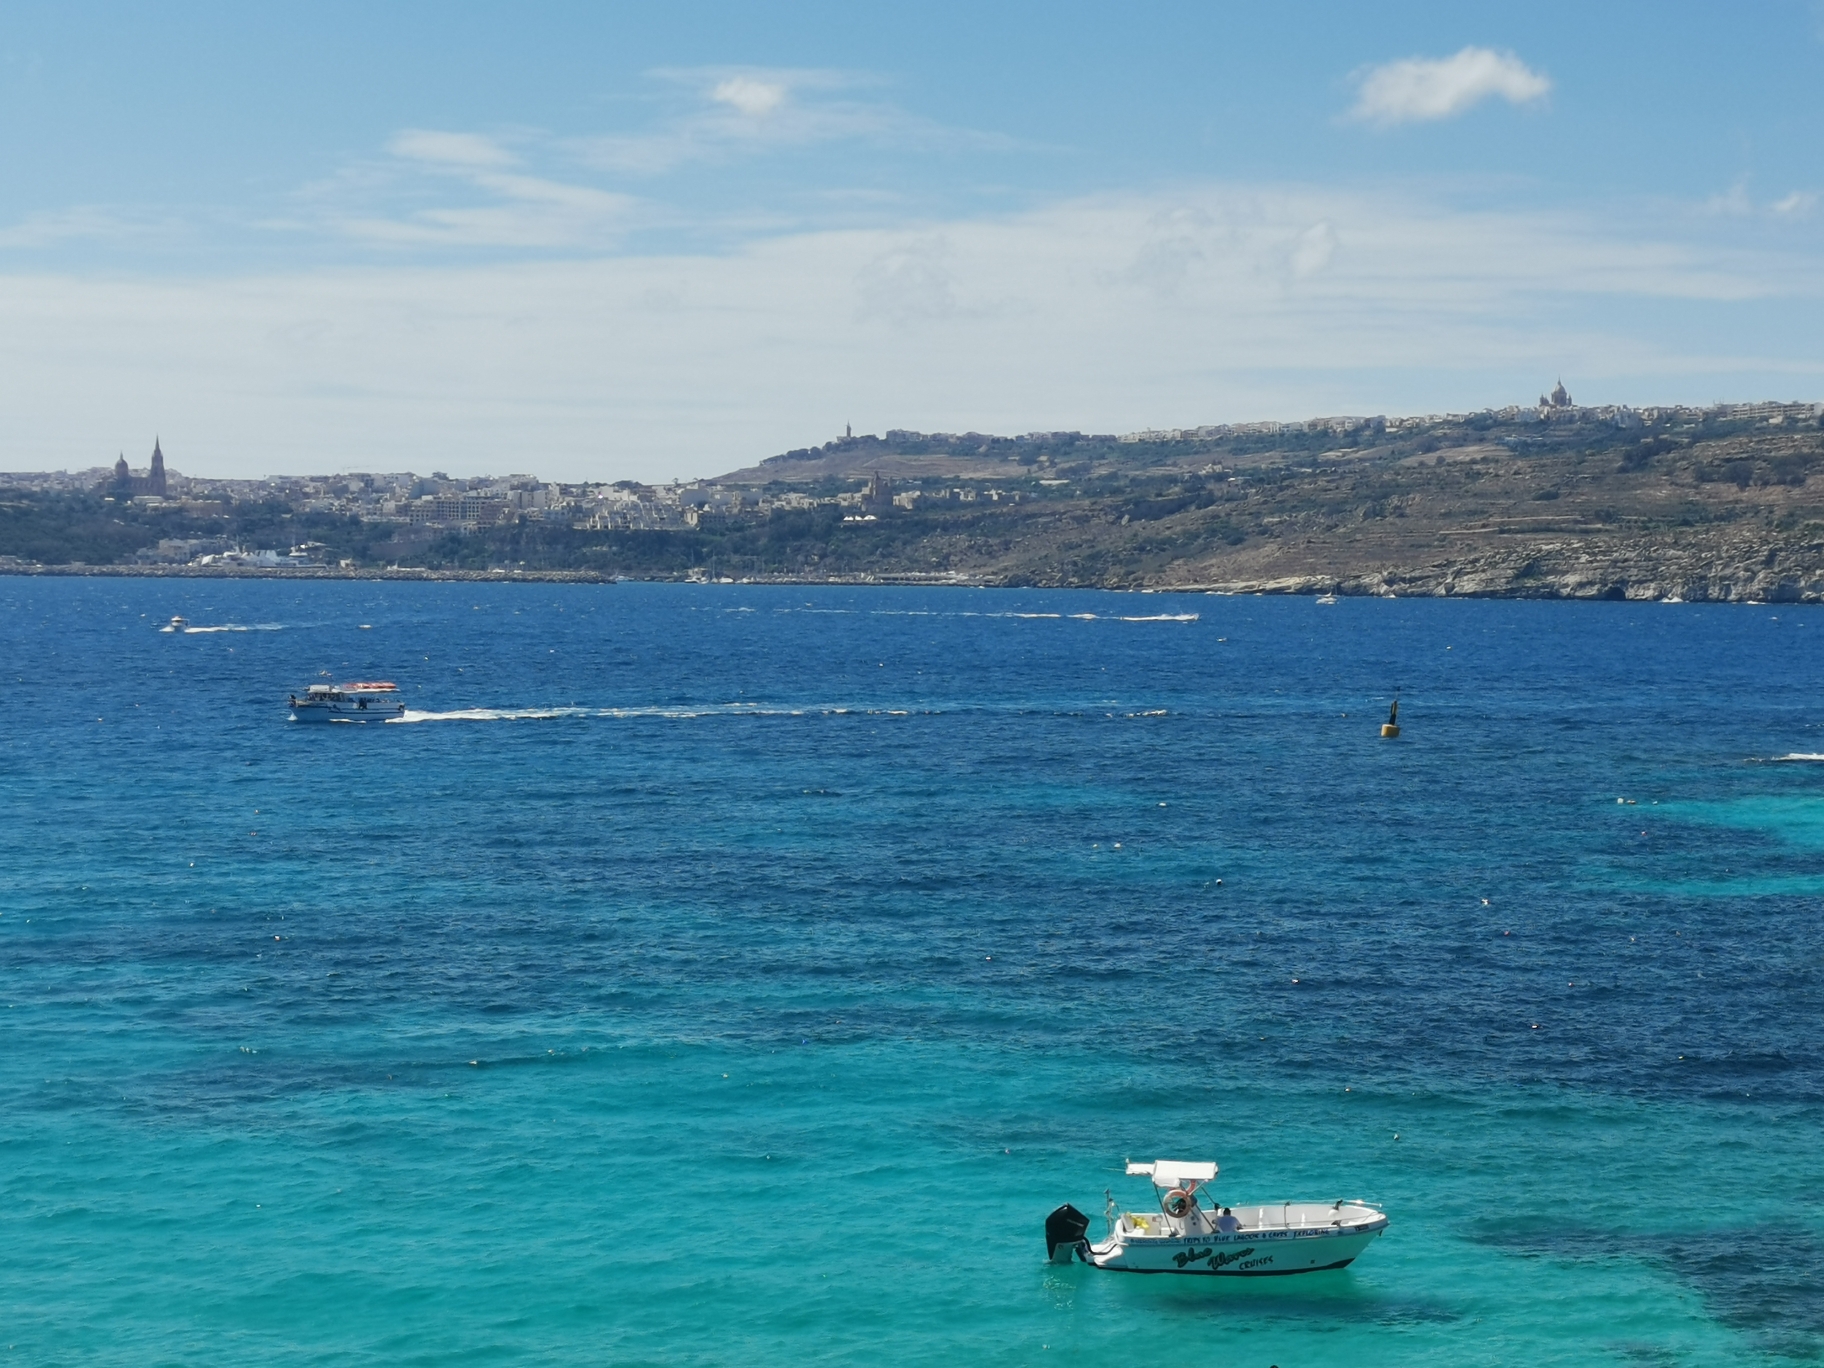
1649 571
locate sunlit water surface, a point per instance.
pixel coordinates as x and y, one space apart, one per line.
735 974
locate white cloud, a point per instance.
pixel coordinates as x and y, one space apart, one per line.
728 110
1421 89
1122 311
754 98
1798 204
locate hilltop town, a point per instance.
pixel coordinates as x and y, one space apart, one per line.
1551 499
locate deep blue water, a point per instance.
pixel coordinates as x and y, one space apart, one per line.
716 974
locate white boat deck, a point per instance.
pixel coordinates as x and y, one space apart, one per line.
1253 1219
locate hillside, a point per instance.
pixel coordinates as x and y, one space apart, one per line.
1693 505
1713 504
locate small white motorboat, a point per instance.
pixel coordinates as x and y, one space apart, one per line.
370 701
1185 1236
1329 599
177 624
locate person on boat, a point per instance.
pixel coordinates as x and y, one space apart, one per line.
1228 1223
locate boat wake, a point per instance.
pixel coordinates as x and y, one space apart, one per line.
1142 617
1796 756
490 715
918 612
678 714
225 627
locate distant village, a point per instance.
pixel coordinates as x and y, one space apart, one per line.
439 502
1556 407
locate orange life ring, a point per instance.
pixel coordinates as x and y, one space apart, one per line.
1177 1202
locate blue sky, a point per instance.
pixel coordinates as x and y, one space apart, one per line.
599 241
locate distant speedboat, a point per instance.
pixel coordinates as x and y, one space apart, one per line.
1184 1236
1326 598
177 624
373 701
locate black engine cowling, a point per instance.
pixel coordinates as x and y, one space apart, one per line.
1064 1232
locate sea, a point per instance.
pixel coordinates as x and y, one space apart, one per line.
739 974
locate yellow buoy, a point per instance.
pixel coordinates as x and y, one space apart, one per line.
1391 727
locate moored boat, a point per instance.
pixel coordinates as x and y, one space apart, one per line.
369 701
1185 1236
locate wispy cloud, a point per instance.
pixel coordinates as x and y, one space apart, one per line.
1734 201
1737 202
1316 245
1212 302
1424 89
727 112
497 203
531 189
438 148
528 212
90 223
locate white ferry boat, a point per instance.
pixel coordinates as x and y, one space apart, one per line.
371 701
1185 1236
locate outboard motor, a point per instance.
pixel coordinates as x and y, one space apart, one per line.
1064 1232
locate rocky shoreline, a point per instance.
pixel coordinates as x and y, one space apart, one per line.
1622 574
1751 570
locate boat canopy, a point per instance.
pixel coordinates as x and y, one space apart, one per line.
1172 1173
372 686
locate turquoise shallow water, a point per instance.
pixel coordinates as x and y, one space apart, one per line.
745 972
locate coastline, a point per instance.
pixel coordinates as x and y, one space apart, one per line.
1444 582
1703 507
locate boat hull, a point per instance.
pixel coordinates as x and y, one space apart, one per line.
346 712
1247 1254
1267 1241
